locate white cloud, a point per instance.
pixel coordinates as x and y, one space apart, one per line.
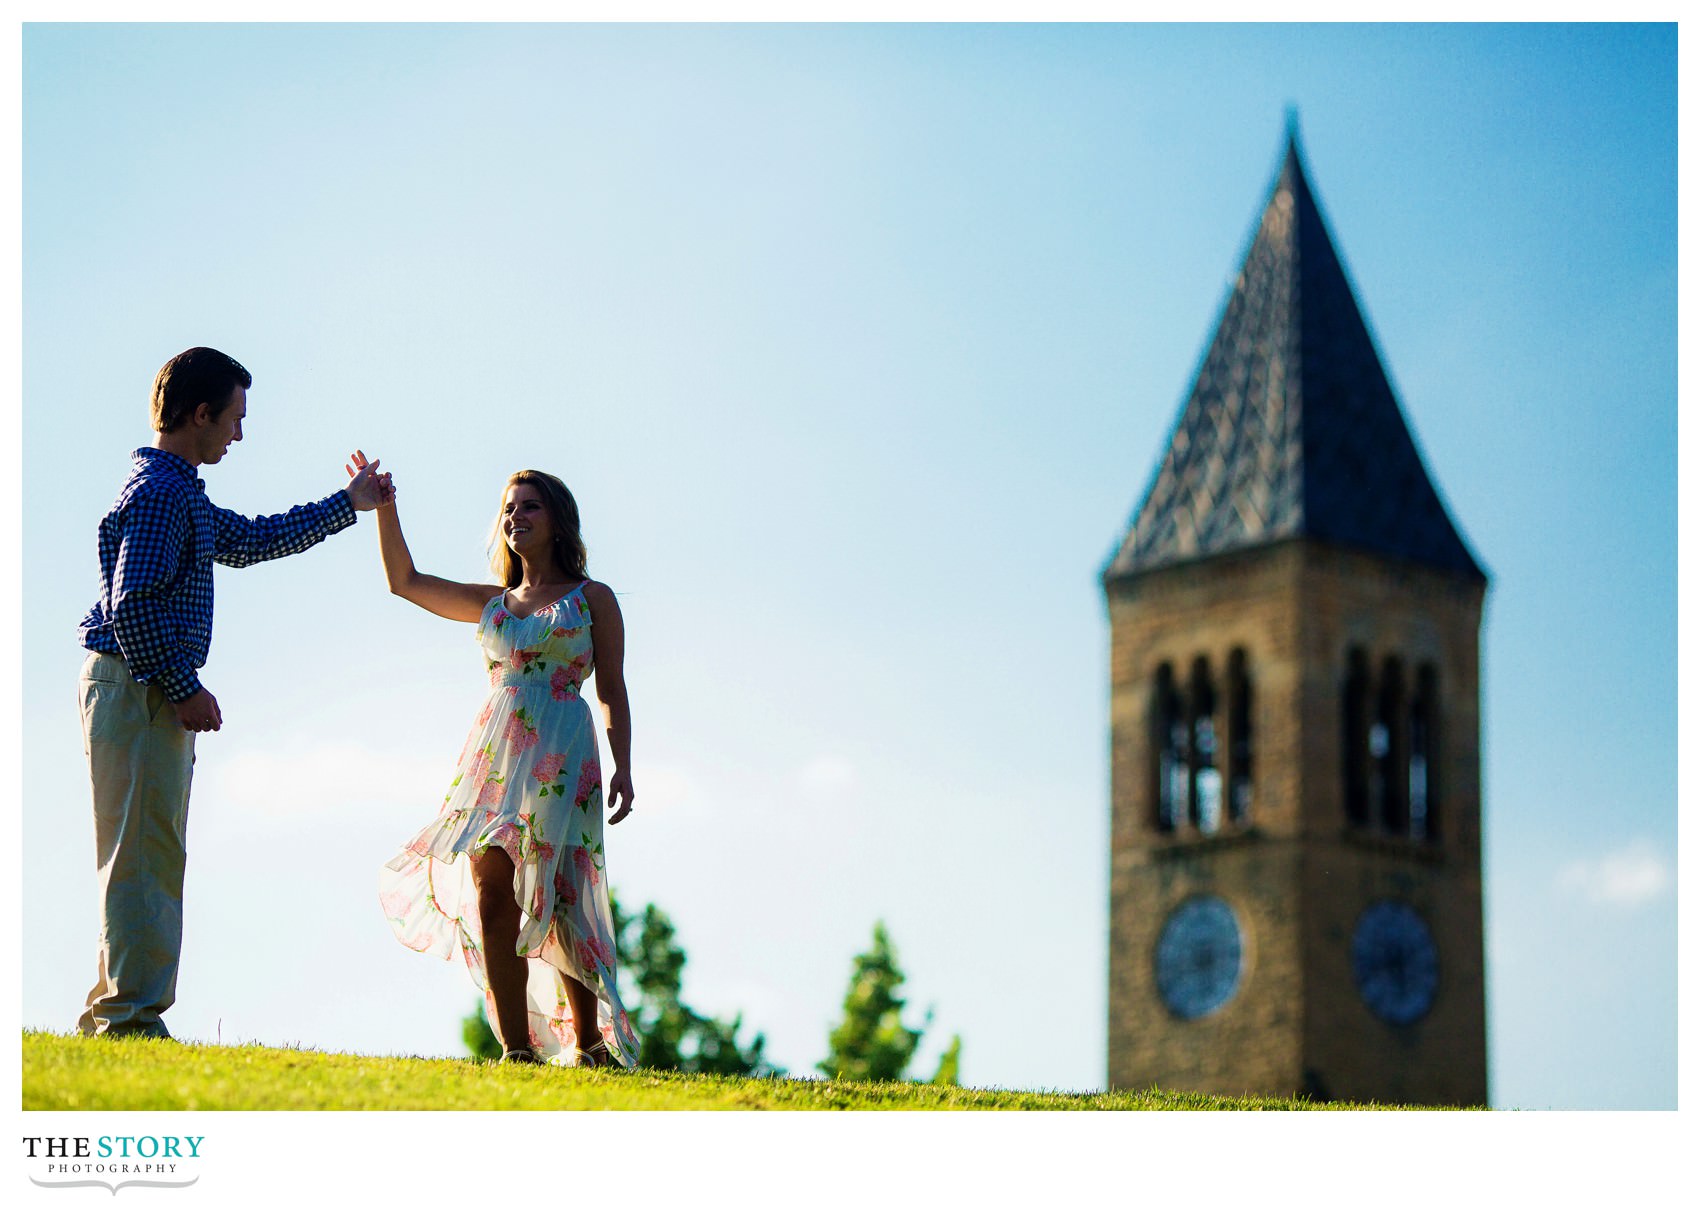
666 789
827 777
299 780
1634 874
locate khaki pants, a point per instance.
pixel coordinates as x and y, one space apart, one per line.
140 760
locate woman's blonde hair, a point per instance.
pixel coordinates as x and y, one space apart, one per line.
563 517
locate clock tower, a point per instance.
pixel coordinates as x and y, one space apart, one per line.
1295 885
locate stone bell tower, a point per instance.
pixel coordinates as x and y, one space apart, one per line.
1296 876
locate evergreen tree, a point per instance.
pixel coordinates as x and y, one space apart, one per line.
950 1064
480 1040
872 1044
671 1035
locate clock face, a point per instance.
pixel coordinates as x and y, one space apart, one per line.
1199 957
1395 962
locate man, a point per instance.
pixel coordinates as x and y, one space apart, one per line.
142 701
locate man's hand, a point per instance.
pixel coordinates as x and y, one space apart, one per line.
366 488
199 712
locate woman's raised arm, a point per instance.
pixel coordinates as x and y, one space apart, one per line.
456 600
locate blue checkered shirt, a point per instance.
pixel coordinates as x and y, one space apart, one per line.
158 543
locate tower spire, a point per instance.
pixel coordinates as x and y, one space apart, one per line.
1291 428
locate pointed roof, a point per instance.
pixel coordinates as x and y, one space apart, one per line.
1292 428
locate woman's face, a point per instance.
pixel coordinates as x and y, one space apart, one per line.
525 522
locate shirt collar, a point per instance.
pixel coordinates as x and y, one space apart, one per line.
145 455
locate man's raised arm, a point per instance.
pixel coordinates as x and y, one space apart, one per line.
240 540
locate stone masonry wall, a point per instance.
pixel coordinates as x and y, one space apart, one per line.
1297 876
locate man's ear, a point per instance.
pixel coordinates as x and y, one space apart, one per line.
202 415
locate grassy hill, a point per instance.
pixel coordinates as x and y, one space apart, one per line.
70 1073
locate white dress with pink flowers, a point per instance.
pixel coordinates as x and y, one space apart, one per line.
528 781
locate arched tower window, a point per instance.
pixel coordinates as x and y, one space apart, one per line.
1239 739
1206 799
1424 820
1355 737
1389 740
1168 743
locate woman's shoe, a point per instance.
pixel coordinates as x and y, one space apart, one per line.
520 1056
596 1056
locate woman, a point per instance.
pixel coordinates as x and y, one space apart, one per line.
511 871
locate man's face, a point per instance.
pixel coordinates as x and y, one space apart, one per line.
216 433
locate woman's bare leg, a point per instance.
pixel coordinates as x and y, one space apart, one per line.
498 921
583 1002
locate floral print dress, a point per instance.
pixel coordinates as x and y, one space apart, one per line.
529 781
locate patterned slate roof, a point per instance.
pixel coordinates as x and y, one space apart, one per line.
1292 428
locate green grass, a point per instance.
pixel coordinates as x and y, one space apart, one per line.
70 1073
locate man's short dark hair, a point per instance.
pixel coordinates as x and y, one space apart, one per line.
195 376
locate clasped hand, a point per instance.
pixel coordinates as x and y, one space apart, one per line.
367 488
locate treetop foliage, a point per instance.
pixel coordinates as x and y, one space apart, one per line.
872 1043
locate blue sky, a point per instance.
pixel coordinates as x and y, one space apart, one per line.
857 345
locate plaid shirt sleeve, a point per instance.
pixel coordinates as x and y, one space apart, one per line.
154 533
239 541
